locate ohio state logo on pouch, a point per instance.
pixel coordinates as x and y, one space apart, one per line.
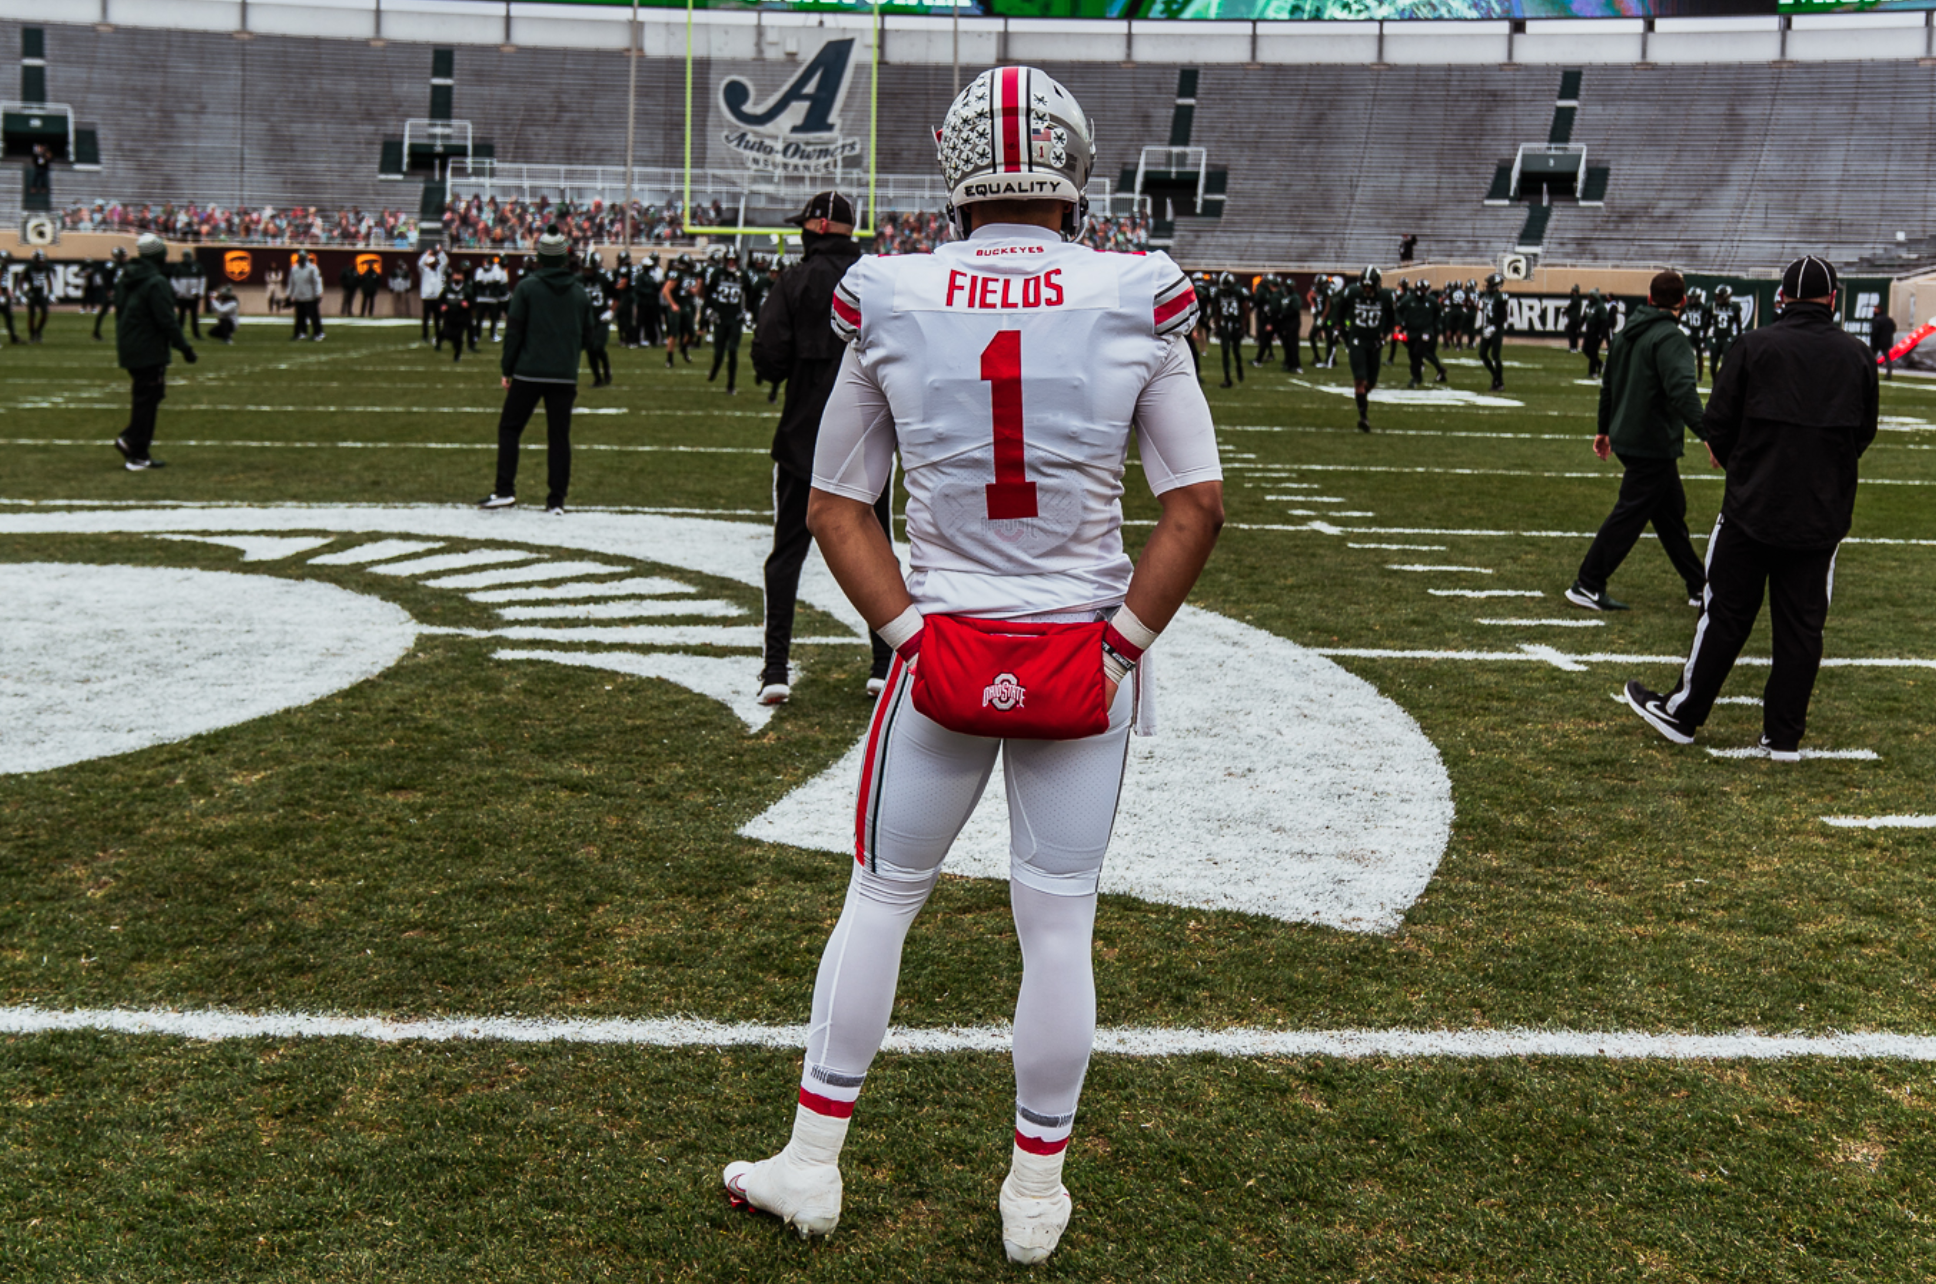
1004 693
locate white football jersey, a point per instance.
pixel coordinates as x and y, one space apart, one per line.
1009 370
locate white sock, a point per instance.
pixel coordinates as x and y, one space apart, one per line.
817 1139
1037 1176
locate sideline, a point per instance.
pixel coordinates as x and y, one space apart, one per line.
1123 1041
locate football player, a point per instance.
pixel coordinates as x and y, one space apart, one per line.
1228 302
1052 356
1593 332
1418 313
726 293
1694 323
40 294
598 335
1492 330
1320 300
1367 318
1724 326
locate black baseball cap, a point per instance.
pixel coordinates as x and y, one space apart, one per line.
831 206
1809 278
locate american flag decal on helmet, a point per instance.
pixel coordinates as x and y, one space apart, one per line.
846 313
1176 307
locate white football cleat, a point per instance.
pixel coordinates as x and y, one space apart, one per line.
775 693
1032 1227
804 1196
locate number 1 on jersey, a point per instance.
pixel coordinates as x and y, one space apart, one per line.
1011 496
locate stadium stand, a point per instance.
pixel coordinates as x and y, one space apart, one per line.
1325 163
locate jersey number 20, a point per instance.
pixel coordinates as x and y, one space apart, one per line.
1011 496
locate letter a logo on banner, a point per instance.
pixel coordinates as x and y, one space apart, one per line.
819 87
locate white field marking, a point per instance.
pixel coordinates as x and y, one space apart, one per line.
635 586
1594 383
721 678
747 637
1578 663
1280 785
214 649
174 443
1410 548
260 548
623 609
1477 364
375 551
1550 624
1413 566
1342 513
1307 499
64 505
217 1024
437 562
348 323
1442 397
1482 592
1882 822
523 575
1706 474
1751 700
1845 755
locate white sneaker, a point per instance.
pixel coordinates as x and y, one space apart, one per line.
495 500
1032 1227
804 1196
775 693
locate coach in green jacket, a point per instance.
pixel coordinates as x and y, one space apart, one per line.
1647 397
549 324
145 329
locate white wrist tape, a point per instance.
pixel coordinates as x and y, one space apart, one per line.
1115 667
1139 634
898 630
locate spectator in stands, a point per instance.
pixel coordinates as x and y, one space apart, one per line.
306 296
1882 337
1647 397
1407 247
225 310
145 328
549 319
1793 410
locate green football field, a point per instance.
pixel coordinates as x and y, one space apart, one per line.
259 767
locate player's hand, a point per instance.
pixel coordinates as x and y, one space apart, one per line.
188 355
506 381
1603 446
1712 462
1109 689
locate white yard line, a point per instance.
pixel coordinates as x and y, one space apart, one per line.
1125 1041
1839 755
1882 822
1484 592
173 443
637 586
1578 663
1549 624
1470 570
1408 548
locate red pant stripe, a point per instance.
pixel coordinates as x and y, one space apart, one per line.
867 765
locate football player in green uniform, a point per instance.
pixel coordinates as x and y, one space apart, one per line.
1367 318
1695 321
1492 330
1724 327
726 294
1228 307
1418 312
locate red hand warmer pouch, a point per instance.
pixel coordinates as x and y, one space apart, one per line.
1013 680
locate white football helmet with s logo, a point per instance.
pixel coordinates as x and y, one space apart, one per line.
1015 134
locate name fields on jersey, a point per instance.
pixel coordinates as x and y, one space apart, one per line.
1003 278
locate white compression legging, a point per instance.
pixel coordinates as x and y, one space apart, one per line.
923 783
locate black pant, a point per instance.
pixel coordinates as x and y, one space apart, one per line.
726 347
487 315
1492 356
456 328
6 310
36 318
791 541
349 302
150 387
222 329
1799 583
1266 333
1232 344
1593 341
519 401
1572 336
1649 492
599 358
369 304
188 313
309 317
433 321
99 317
1421 350
1288 328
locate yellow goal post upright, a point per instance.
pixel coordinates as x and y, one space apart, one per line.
866 230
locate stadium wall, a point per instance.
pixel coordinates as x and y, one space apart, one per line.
914 39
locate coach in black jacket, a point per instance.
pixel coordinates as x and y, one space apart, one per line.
1794 407
795 342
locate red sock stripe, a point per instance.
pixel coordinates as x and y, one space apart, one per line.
1034 1145
828 1106
867 765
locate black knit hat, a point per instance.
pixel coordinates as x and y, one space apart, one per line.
1809 278
831 206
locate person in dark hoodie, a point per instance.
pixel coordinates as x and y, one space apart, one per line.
794 342
1793 410
1647 395
550 319
146 326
